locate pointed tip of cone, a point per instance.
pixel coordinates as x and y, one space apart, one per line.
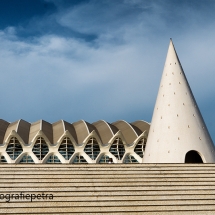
171 43
172 52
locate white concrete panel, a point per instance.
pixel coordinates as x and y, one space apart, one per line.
177 125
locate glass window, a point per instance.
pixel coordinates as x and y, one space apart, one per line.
40 148
2 159
140 147
117 148
92 148
79 159
53 159
26 159
104 159
66 148
130 159
14 148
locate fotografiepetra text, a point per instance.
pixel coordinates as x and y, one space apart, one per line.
25 196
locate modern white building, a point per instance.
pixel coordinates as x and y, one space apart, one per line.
79 142
177 133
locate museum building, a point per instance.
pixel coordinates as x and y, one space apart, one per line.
177 133
79 142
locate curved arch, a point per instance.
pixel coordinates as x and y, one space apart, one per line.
105 130
60 128
12 134
93 134
129 131
41 127
111 127
82 129
142 125
193 156
69 135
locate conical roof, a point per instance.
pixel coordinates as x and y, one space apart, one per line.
177 126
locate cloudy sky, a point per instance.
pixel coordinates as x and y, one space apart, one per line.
101 59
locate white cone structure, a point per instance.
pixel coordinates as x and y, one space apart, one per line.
177 129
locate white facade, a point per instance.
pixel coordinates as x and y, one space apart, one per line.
177 125
80 142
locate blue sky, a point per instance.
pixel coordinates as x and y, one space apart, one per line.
101 59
